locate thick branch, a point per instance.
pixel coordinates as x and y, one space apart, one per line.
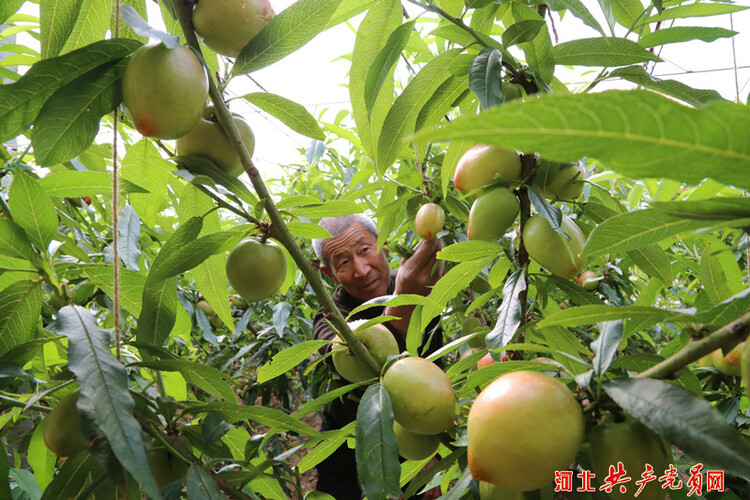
281 231
736 330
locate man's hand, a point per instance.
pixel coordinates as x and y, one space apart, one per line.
422 270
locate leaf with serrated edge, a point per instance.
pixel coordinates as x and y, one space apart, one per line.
602 52
20 305
103 380
469 250
684 420
56 21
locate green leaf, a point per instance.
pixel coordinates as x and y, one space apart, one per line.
41 458
441 102
636 133
288 359
653 261
574 291
198 165
402 117
14 242
333 440
378 468
384 61
679 34
232 412
20 306
459 488
685 420
76 184
578 9
139 6
695 10
91 24
69 121
103 382
307 230
131 285
205 377
719 272
129 230
591 314
71 477
449 285
727 311
56 21
605 51
288 31
640 76
201 486
605 346
372 34
32 210
139 26
348 9
633 230
539 52
333 208
144 165
293 115
485 78
189 256
469 250
708 209
522 31
546 209
509 312
319 402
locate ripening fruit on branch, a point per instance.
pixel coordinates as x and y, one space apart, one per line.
560 256
164 90
413 446
492 214
207 139
226 26
421 395
558 181
62 432
165 466
512 91
479 165
588 280
429 220
729 364
256 270
522 428
633 444
378 340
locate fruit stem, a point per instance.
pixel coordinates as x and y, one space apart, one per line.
285 237
736 330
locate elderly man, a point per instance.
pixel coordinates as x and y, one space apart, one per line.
352 260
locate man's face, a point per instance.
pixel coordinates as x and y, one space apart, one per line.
356 264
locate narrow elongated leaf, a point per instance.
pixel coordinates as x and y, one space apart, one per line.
602 52
332 441
83 183
318 403
653 261
591 314
539 53
129 228
695 10
288 359
56 21
685 420
469 250
633 230
144 166
509 312
205 377
69 121
201 486
203 166
307 230
727 311
20 305
189 256
71 477
640 76
451 284
605 346
679 34
719 272
384 61
14 242
103 381
546 209
636 133
333 208
382 18
378 468
711 209
457 490
232 412
485 78
402 116
288 31
32 210
293 115
574 291
442 101
131 285
577 9
522 31
91 24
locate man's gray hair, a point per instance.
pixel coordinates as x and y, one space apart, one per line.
337 225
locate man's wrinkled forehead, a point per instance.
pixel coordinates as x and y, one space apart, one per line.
354 237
